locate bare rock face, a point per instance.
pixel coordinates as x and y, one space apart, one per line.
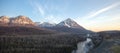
4 20
19 20
22 20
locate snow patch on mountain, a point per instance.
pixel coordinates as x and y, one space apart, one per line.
47 24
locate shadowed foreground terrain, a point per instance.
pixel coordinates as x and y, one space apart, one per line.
22 41
109 44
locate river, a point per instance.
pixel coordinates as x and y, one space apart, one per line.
84 47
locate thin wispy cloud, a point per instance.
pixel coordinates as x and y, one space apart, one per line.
103 10
96 13
40 9
88 22
37 7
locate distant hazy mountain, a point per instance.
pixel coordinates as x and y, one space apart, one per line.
19 20
110 31
110 34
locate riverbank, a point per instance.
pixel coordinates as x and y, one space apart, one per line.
107 46
110 42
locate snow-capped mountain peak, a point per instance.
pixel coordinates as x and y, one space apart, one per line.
66 23
69 23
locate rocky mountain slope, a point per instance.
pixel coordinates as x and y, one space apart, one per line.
20 25
19 20
4 20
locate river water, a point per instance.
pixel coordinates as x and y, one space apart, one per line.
84 47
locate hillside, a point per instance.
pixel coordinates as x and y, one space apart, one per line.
23 30
25 40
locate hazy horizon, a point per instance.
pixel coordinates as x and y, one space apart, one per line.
95 15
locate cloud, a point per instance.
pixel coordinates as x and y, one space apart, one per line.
37 7
85 19
91 15
112 17
40 9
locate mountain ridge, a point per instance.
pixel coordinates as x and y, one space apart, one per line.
19 20
69 26
65 23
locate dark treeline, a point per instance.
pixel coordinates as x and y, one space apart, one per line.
39 43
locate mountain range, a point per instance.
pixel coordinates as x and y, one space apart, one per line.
68 25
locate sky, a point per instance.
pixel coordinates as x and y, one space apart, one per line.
95 15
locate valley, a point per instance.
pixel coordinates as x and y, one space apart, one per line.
21 35
59 26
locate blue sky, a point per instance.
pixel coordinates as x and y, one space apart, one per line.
94 15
